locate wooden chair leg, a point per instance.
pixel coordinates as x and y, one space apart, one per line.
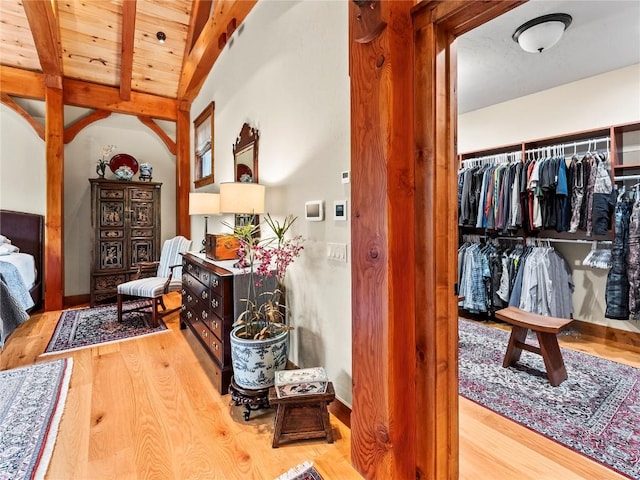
154 312
119 307
553 362
162 303
518 336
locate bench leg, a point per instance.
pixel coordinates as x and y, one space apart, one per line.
518 336
553 362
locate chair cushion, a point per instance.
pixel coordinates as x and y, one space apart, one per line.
151 287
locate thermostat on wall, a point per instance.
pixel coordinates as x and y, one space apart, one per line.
340 210
345 176
314 211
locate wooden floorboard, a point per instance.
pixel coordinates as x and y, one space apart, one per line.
146 408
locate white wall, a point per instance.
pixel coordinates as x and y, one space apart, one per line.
285 72
130 136
22 165
600 101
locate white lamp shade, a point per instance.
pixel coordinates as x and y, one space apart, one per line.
242 198
541 37
204 203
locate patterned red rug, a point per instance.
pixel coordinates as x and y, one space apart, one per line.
596 411
86 327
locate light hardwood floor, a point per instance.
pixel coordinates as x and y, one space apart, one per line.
146 409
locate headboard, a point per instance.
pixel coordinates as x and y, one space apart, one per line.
26 231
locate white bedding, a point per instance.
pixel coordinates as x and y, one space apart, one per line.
25 264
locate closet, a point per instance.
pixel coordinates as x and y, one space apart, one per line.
576 192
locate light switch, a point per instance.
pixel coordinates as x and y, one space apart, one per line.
337 252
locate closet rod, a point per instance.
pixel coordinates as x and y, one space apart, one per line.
498 156
623 178
572 144
569 240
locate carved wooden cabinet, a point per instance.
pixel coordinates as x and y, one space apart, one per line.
208 310
125 229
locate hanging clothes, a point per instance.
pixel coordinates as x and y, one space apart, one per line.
617 289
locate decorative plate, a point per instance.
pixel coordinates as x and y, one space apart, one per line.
123 160
244 173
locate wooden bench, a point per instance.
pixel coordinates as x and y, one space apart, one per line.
546 329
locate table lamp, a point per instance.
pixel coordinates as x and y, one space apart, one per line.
204 204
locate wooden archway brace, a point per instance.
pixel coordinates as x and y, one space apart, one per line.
9 102
148 121
75 128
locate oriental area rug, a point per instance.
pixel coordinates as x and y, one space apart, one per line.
595 412
87 327
31 403
304 471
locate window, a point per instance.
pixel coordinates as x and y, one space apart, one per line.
203 138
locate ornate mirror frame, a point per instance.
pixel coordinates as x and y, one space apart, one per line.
245 155
245 163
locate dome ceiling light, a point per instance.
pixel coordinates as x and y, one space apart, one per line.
541 33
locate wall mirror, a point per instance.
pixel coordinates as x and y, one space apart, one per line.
245 155
245 158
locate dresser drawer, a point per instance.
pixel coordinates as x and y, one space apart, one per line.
216 348
201 330
215 325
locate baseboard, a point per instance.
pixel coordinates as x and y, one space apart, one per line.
75 300
336 408
616 337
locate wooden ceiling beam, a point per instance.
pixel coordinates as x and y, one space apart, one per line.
200 14
91 95
45 29
76 127
128 37
9 102
21 83
155 128
206 49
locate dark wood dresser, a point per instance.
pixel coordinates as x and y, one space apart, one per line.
208 310
125 229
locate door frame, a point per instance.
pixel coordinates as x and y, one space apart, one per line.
403 70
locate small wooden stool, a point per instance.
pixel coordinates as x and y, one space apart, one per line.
546 329
302 417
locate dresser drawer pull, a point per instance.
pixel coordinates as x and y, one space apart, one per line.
214 281
216 347
189 315
214 303
189 298
215 324
190 267
183 307
204 295
183 291
204 334
204 314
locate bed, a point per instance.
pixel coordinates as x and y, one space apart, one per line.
21 286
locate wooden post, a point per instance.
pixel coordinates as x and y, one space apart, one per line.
383 267
183 169
54 234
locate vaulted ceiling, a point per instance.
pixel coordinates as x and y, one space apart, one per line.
87 45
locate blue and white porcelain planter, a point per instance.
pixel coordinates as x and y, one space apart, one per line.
255 362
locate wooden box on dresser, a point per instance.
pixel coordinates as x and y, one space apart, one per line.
208 310
125 229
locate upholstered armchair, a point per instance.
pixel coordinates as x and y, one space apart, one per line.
168 279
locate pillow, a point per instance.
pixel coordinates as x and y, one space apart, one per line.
4 240
7 248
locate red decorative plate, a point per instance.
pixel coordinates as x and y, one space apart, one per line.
123 159
243 170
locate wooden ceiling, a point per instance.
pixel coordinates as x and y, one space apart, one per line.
113 43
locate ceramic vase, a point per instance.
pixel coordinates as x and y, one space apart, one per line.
255 362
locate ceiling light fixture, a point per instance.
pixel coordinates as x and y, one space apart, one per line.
541 33
161 37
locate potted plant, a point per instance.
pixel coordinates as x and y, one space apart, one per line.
259 340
